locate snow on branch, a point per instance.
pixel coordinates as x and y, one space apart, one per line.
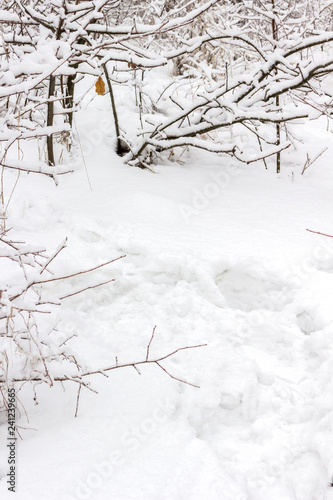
31 348
140 29
253 99
261 59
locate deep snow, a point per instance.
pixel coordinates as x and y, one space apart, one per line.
216 253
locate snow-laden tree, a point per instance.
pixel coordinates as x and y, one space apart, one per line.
259 64
46 45
279 58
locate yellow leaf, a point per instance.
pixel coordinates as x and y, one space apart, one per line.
100 86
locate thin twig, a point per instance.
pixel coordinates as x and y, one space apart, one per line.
65 341
148 346
33 283
54 255
322 234
309 162
176 378
137 369
78 273
87 288
77 400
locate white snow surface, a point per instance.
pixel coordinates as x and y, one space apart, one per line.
216 254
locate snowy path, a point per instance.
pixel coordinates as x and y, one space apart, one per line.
214 255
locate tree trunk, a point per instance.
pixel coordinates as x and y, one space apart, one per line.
121 147
69 102
49 122
277 99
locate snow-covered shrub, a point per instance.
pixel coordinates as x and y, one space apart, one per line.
278 61
46 46
33 349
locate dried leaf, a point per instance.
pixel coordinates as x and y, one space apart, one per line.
100 86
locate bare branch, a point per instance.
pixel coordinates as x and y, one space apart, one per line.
87 288
322 234
78 273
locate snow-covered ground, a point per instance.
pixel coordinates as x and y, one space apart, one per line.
216 254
